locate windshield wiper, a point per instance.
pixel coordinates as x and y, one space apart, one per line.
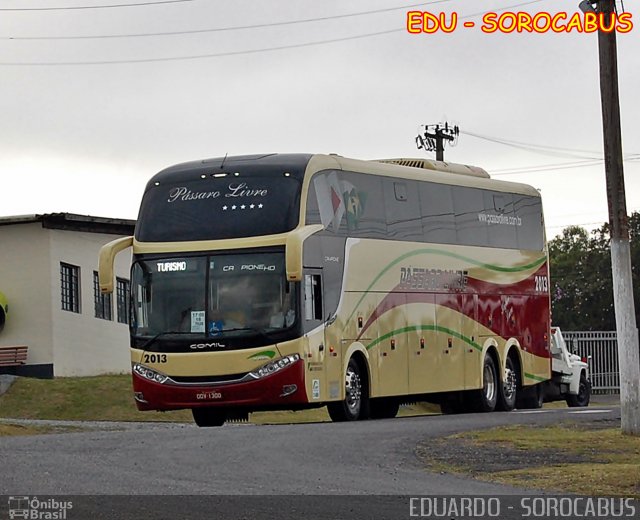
159 335
260 332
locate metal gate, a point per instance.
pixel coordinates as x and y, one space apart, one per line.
602 349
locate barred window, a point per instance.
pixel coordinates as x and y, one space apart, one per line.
102 302
70 287
123 300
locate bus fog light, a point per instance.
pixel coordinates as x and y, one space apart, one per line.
139 396
288 390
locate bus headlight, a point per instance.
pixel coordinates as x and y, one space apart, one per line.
274 366
149 373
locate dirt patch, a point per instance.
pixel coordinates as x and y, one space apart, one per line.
463 453
455 454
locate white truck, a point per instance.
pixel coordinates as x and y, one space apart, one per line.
569 378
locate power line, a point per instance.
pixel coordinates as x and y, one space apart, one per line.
554 167
555 150
222 29
203 56
545 167
237 53
602 222
78 7
580 224
551 165
502 140
545 150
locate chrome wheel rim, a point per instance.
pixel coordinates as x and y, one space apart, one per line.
353 387
489 384
509 383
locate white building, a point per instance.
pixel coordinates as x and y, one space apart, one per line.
48 275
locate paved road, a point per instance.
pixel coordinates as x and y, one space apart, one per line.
364 458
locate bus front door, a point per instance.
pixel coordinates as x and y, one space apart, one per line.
318 360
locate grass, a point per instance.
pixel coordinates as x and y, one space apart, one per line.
568 457
109 398
13 430
102 398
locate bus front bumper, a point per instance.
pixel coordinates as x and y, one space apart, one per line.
280 389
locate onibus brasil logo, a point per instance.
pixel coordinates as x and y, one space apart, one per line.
36 509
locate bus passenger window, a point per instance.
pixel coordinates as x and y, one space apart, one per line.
312 297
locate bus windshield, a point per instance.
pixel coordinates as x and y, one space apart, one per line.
211 295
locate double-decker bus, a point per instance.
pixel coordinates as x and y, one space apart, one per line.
293 281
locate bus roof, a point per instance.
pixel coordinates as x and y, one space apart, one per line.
418 169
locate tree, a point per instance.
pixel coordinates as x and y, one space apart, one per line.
581 280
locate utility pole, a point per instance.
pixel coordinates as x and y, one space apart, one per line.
628 349
434 138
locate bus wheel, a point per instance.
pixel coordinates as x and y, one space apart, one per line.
383 408
584 394
206 417
485 399
508 387
355 404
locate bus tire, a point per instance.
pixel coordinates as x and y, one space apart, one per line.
383 408
508 387
207 417
584 394
356 403
486 398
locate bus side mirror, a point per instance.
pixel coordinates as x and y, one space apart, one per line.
293 250
108 254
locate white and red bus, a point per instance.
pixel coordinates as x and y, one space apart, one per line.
295 281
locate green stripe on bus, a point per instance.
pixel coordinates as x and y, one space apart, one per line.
534 377
265 354
435 328
491 267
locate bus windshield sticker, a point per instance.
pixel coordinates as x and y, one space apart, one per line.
197 321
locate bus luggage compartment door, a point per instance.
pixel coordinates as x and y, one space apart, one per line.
392 348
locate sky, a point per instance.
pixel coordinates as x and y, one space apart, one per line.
96 96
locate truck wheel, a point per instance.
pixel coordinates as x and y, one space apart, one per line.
584 394
356 403
485 399
384 408
508 388
207 417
